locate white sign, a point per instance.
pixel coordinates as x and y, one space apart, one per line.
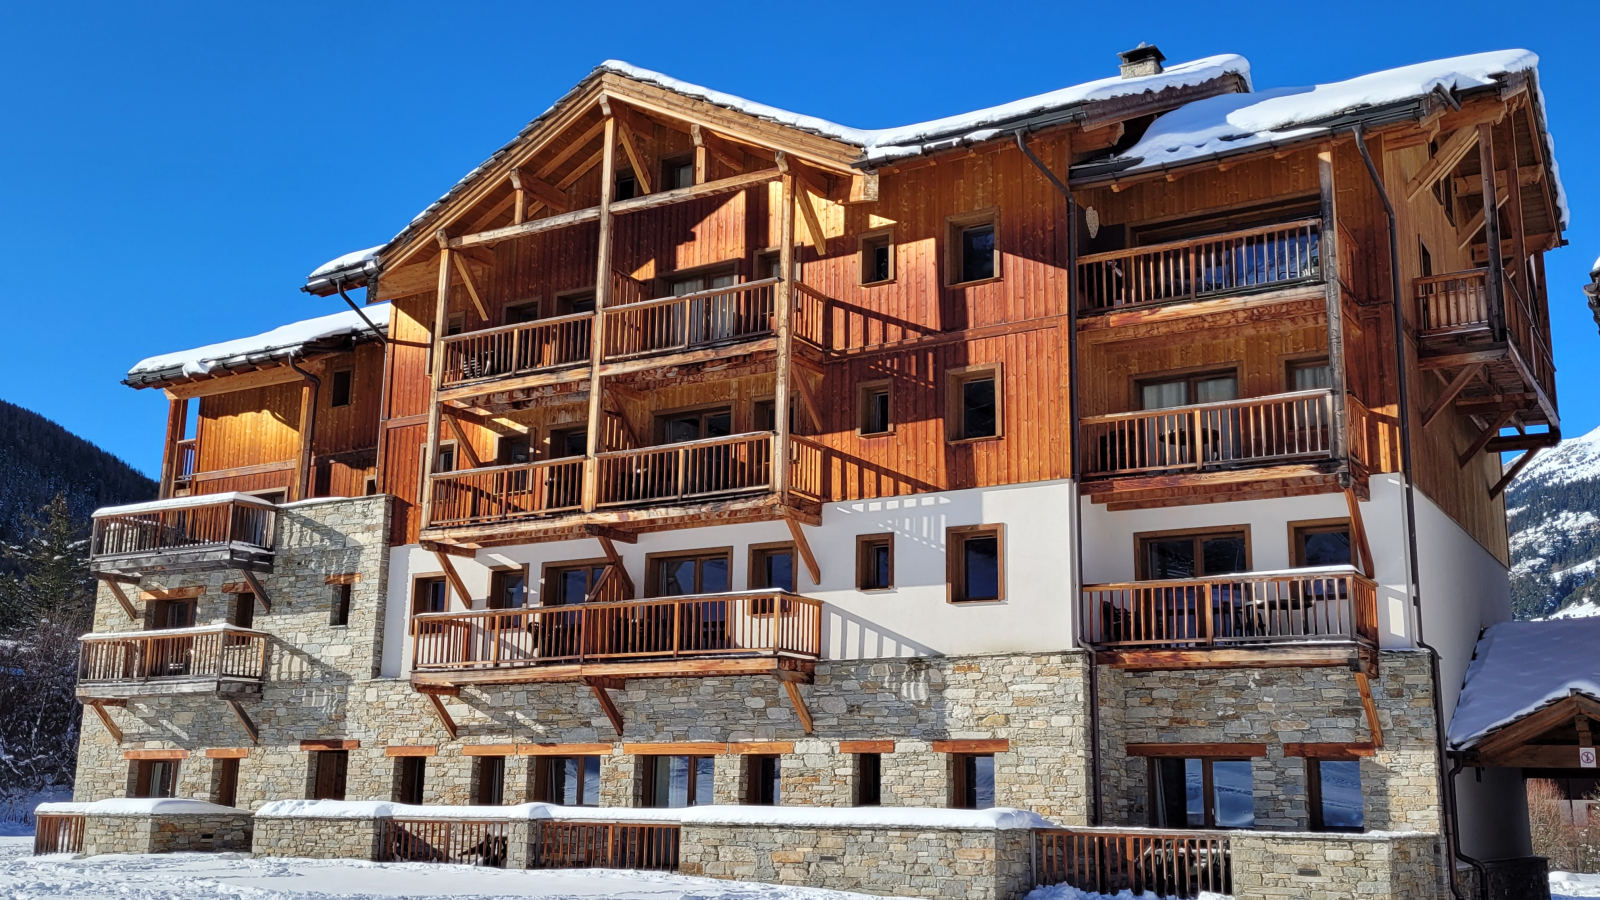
1586 758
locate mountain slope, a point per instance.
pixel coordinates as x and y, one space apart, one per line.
1554 512
39 459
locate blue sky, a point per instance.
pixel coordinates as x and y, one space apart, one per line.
172 171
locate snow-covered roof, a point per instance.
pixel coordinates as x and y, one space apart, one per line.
1521 667
137 806
354 267
1233 123
274 345
184 503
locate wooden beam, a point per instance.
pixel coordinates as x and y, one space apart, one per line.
866 746
610 533
813 222
467 551
452 576
1334 306
1530 726
785 301
1522 442
1443 162
1487 435
1510 474
443 714
105 720
1469 231
300 488
472 290
462 443
602 297
1471 184
1455 387
441 324
1364 685
1237 749
606 706
615 560
863 188
177 419
804 546
799 703
978 745
1358 527
546 192
694 192
808 399
122 598
244 720
635 154
720 149
535 226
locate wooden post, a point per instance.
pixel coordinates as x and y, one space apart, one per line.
602 295
441 323
785 304
1329 253
1519 238
177 417
1491 233
308 413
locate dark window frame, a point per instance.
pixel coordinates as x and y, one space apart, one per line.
1207 791
955 382
545 769
866 560
418 592
956 227
868 243
410 779
692 782
497 586
763 786
1301 529
489 780
956 538
329 769
1299 363
551 581
1191 378
653 561
1142 539
1314 805
225 780
347 376
759 553
339 615
963 783
866 393
701 412
868 789
155 778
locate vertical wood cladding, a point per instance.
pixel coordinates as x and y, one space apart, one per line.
249 428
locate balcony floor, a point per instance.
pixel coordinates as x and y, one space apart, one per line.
762 507
201 559
1505 377
1183 488
208 685
1286 655
784 667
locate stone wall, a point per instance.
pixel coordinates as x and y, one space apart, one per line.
1335 867
166 833
1278 706
950 864
317 838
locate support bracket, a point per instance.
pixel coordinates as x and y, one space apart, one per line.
1364 685
801 544
244 720
599 686
436 696
258 590
122 598
105 719
799 702
454 577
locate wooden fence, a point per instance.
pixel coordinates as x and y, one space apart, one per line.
1269 256
58 834
468 842
1258 430
605 845
506 493
1178 864
1232 610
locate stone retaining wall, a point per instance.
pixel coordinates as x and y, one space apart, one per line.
1335 867
317 838
166 833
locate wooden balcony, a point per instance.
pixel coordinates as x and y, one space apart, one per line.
1299 617
719 316
1266 258
214 659
189 534
512 351
1277 437
692 470
708 634
1495 357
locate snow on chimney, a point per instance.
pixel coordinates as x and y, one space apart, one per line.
1142 60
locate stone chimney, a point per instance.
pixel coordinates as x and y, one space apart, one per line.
1141 61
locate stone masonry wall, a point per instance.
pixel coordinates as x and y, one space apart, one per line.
166 833
1278 706
317 838
947 864
1335 867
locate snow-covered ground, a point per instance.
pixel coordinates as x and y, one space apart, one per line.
1564 885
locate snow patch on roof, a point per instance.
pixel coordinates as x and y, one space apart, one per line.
347 261
278 343
138 806
184 503
1520 667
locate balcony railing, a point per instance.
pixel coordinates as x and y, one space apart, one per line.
205 522
521 349
1457 304
210 652
679 323
1256 431
507 493
465 842
1245 609
711 467
606 845
58 833
184 465
1270 256
757 623
1104 861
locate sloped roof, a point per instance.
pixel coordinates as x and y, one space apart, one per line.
313 335
1522 667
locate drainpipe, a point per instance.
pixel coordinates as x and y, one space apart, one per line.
1075 588
1477 864
304 473
1446 781
382 338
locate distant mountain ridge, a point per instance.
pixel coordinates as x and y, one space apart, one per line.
1554 513
40 459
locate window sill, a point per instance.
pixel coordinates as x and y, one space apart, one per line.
979 283
989 601
974 440
867 284
869 435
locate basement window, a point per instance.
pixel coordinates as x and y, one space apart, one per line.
1333 787
869 779
763 778
410 774
339 616
489 780
155 778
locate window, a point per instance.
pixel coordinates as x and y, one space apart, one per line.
677 172
339 390
762 780
1189 792
1322 542
410 773
518 313
875 562
455 324
242 614
872 409
772 567
1310 375
974 253
575 302
972 780
766 415
1426 258
1444 190
678 781
568 442
489 780
174 614
975 563
770 265
701 573
339 615
155 778
370 486
568 780
430 595
508 589
514 451
572 582
627 187
877 256
1168 392
972 401
1333 787
676 428
1193 553
329 769
869 779
225 781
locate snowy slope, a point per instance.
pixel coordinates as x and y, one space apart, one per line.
1554 512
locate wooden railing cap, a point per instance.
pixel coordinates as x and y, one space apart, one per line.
194 502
